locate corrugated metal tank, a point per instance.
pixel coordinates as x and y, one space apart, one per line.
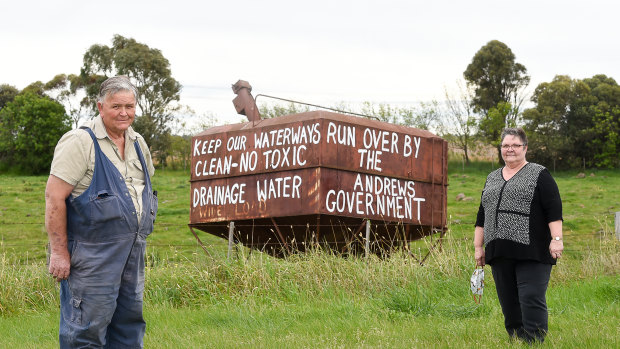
315 178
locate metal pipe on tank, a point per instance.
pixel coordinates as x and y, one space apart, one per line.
244 102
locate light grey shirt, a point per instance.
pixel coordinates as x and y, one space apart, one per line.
74 160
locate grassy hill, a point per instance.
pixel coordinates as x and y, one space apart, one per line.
318 299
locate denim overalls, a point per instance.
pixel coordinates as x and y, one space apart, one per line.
101 301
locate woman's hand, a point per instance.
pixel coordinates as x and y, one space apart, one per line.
479 255
479 246
555 248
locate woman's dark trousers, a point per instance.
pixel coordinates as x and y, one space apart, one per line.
521 288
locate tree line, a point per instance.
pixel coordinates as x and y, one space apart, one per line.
573 123
33 120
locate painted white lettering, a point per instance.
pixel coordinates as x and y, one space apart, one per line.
285 161
331 132
316 138
196 148
274 188
296 185
394 147
418 200
407 146
286 137
248 161
369 200
298 157
411 189
417 141
285 187
295 136
196 170
236 143
358 183
341 198
257 140
373 160
213 145
219 195
359 202
195 197
341 134
215 166
330 205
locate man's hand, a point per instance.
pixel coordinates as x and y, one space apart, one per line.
56 192
60 266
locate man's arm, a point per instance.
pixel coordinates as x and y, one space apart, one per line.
56 192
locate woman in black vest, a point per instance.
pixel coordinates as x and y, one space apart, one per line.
519 233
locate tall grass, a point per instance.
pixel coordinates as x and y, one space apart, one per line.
255 277
319 299
322 300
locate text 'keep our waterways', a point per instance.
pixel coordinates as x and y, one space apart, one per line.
287 147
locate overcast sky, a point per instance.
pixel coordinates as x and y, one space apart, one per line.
319 51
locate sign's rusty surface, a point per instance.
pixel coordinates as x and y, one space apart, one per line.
316 177
316 169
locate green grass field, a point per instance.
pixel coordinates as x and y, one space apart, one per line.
318 299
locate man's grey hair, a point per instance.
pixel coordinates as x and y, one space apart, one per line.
518 132
116 84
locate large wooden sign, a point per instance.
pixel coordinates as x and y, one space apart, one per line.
318 164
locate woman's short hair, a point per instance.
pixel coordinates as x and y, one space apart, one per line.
514 131
116 84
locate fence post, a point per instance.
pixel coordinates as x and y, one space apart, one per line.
618 225
231 229
367 237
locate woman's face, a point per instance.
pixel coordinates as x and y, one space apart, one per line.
513 149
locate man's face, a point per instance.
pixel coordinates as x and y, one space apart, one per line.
118 112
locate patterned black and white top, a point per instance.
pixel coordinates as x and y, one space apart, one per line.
516 213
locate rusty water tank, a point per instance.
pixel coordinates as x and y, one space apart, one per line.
316 178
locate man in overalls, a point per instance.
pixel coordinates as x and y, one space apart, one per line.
100 207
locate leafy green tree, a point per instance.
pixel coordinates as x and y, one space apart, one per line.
273 111
207 120
7 94
65 90
606 142
496 78
180 151
599 113
381 112
460 121
425 116
30 127
491 125
575 122
37 88
150 71
546 124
